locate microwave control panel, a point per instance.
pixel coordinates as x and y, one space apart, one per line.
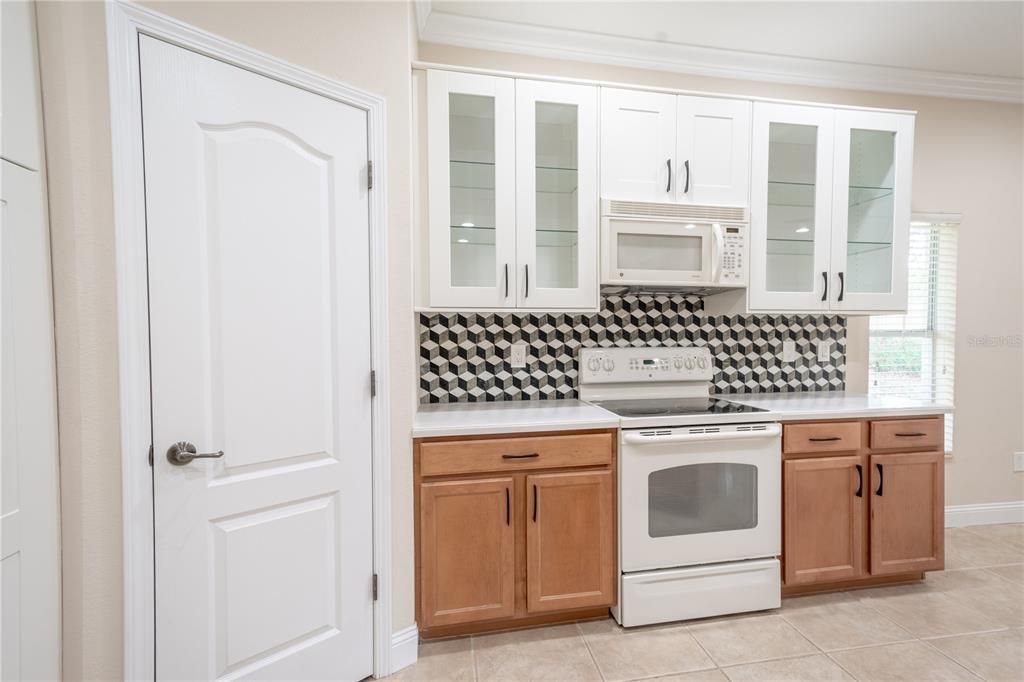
733 263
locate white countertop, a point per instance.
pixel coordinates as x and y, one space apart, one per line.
522 416
512 416
834 405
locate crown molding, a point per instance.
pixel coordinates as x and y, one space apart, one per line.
557 43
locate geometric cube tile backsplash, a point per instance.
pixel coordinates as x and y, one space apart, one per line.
464 356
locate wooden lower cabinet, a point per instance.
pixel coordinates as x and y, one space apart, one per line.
499 545
467 550
907 513
570 560
824 519
859 517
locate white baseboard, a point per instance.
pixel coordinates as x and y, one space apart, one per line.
404 646
984 514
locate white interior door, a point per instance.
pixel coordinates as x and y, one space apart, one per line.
638 141
256 201
29 508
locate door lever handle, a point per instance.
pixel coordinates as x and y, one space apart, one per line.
183 452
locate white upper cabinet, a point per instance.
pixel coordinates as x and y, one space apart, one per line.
556 195
517 169
830 209
871 210
638 143
472 179
512 192
790 207
712 151
674 148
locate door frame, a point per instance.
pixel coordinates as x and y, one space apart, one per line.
125 21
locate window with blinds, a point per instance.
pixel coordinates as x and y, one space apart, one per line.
912 355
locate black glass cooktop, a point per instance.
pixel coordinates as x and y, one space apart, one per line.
669 407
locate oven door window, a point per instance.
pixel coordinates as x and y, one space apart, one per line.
701 498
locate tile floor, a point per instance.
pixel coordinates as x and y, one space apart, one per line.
965 623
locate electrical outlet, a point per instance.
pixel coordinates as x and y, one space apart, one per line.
518 356
1018 461
824 350
789 351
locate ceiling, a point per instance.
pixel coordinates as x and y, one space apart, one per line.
960 49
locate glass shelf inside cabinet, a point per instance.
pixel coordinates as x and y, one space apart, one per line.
801 194
479 175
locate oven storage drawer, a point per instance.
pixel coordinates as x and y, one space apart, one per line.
445 458
818 437
916 434
699 592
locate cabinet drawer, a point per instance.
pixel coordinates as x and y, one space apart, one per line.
514 454
821 437
917 434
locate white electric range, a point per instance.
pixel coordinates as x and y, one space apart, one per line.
699 487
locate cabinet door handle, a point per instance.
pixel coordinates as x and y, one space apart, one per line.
668 187
911 434
526 291
881 479
825 439
506 280
824 282
686 165
860 481
530 455
842 286
535 503
508 508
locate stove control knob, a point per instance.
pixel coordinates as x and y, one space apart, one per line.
594 364
678 362
702 363
689 363
609 364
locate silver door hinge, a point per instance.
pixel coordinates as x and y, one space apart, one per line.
375 587
373 383
369 175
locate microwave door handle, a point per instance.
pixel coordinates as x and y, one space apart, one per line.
716 252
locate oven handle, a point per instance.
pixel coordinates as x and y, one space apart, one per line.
634 438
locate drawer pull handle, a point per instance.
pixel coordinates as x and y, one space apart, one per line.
531 455
911 434
881 480
825 439
860 481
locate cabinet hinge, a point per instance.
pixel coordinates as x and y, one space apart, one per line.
375 587
369 175
373 383
151 454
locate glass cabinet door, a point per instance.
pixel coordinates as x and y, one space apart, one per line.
556 187
790 207
871 210
471 161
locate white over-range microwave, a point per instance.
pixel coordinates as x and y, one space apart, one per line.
684 247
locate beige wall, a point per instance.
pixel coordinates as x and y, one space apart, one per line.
365 44
968 159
